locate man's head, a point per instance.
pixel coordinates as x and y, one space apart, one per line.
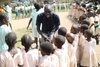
47 10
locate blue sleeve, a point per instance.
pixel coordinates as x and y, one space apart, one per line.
57 20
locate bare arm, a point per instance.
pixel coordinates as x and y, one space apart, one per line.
40 32
29 23
91 25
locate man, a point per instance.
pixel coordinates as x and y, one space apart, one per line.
50 23
9 13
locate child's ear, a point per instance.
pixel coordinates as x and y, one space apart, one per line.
5 22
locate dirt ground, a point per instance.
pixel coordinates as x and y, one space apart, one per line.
22 23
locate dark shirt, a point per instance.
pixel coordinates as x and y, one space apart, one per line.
48 25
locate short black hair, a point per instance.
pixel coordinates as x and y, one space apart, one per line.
2 17
75 27
85 21
47 47
77 3
83 5
59 40
62 31
71 35
89 32
95 7
83 17
26 40
11 39
84 26
37 6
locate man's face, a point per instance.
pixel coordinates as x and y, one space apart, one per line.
47 12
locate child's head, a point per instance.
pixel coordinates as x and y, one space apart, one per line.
83 5
11 39
90 6
62 31
77 3
3 19
81 18
85 21
37 6
59 41
26 41
95 8
46 48
70 37
74 29
83 28
88 33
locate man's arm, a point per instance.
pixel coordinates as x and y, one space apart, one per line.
38 24
29 23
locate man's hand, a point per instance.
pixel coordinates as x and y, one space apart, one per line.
46 38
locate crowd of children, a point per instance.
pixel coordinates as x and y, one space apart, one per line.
89 13
73 49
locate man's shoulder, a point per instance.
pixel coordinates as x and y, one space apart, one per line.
55 15
41 14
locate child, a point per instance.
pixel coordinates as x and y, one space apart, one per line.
77 10
63 31
33 19
75 31
4 30
81 38
72 10
88 58
82 9
9 13
48 59
91 19
72 49
60 52
30 56
83 28
81 18
12 57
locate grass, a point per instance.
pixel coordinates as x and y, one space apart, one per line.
20 33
